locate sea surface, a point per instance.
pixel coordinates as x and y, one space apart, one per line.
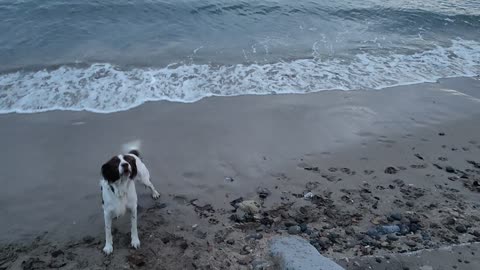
112 55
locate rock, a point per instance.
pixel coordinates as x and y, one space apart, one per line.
349 231
414 227
183 245
136 259
250 206
229 179
57 253
263 193
295 253
396 216
449 169
303 227
476 233
194 226
230 241
388 229
294 229
255 236
378 260
392 237
441 134
410 243
409 204
461 228
391 170
315 169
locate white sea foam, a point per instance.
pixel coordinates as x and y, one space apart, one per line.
105 88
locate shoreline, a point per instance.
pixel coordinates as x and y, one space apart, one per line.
221 148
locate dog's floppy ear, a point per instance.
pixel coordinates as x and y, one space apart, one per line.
110 170
133 163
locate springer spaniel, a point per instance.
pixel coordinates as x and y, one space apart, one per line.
119 194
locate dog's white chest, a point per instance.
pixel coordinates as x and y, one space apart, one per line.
119 198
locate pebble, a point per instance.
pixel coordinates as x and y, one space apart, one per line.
303 227
256 236
476 233
391 170
396 216
230 241
449 169
378 260
461 229
392 237
294 229
410 243
409 204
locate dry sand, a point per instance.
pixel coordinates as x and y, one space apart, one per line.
336 145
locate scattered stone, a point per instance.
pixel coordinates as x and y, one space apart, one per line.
449 169
461 228
441 134
230 241
392 237
297 253
260 264
294 229
396 216
263 193
409 204
250 206
391 170
255 236
303 227
229 179
476 233
410 243
245 261
378 260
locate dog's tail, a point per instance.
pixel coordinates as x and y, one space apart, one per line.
132 147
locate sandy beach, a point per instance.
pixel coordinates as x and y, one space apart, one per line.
337 164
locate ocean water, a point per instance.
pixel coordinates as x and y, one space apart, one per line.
111 55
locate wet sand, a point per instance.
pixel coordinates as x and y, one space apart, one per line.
337 145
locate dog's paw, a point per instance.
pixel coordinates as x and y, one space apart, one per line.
135 243
108 249
155 195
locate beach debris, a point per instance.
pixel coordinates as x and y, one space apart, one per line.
263 193
308 196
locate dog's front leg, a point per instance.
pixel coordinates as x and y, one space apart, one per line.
134 232
108 249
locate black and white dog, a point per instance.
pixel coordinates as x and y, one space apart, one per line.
118 191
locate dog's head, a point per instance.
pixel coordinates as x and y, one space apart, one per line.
118 167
